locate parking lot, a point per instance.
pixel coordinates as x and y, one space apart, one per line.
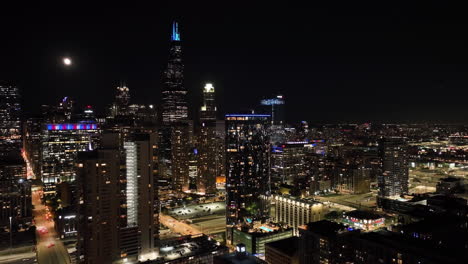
197 210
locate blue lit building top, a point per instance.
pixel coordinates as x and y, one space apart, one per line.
175 32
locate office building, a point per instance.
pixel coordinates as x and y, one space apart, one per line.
352 179
194 179
120 107
290 160
247 166
208 142
179 156
174 94
10 121
175 130
61 143
394 180
15 194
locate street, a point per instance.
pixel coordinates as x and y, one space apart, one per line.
50 248
178 226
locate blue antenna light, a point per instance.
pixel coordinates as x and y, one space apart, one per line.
175 31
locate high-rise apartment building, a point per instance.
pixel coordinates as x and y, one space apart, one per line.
141 192
247 166
98 206
295 211
10 121
394 178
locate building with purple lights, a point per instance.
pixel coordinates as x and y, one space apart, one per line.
61 143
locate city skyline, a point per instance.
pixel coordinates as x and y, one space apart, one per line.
347 57
254 139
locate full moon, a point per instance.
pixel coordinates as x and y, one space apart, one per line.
67 61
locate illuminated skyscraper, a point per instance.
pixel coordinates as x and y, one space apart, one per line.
60 146
10 121
208 109
394 179
120 107
179 153
141 194
247 166
174 132
208 142
174 94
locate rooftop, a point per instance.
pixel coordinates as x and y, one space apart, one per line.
185 247
360 214
325 227
288 246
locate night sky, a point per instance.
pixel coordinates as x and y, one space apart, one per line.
335 63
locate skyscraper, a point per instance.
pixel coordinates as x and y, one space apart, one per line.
141 194
120 107
98 187
394 179
60 146
174 94
10 121
247 166
174 132
208 109
208 142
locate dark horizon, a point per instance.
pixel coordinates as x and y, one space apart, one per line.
341 63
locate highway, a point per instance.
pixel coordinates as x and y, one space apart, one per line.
50 248
178 226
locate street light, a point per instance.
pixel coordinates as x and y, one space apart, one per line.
11 237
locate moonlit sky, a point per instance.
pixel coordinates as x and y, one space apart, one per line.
332 62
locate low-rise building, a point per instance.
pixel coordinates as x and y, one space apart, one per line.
189 250
255 238
364 220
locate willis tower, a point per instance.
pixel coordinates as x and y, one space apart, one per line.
174 132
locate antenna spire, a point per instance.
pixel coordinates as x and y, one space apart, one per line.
175 31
